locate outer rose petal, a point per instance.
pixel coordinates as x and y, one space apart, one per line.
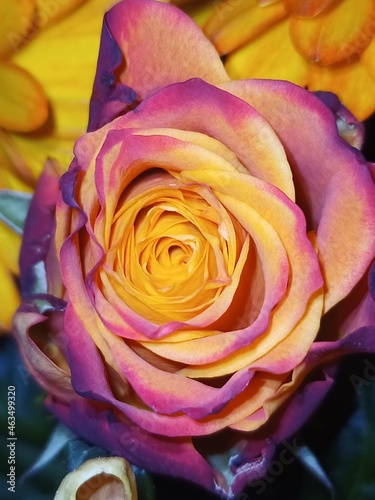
97 424
38 244
152 24
352 81
38 324
343 179
349 128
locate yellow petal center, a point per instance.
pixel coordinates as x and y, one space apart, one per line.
172 252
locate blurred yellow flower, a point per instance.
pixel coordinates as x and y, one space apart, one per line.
318 44
48 52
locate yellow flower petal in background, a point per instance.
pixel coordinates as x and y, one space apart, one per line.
240 24
261 58
336 34
351 82
52 11
368 58
307 8
9 296
98 479
32 148
66 71
16 17
48 52
199 10
23 105
15 173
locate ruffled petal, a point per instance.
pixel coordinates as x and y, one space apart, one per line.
155 453
38 327
149 22
343 173
238 126
39 270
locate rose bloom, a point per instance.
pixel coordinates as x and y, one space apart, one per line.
45 79
191 282
318 44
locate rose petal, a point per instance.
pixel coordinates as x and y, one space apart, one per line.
38 325
349 128
156 24
238 126
92 383
352 82
344 175
38 236
142 449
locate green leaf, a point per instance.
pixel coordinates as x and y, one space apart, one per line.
60 436
14 206
145 484
351 457
311 462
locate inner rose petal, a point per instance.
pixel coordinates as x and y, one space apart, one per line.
173 249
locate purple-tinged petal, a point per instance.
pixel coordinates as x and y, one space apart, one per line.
99 425
350 129
326 183
154 56
38 328
110 98
38 236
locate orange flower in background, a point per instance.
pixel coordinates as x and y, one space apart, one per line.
318 44
48 52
